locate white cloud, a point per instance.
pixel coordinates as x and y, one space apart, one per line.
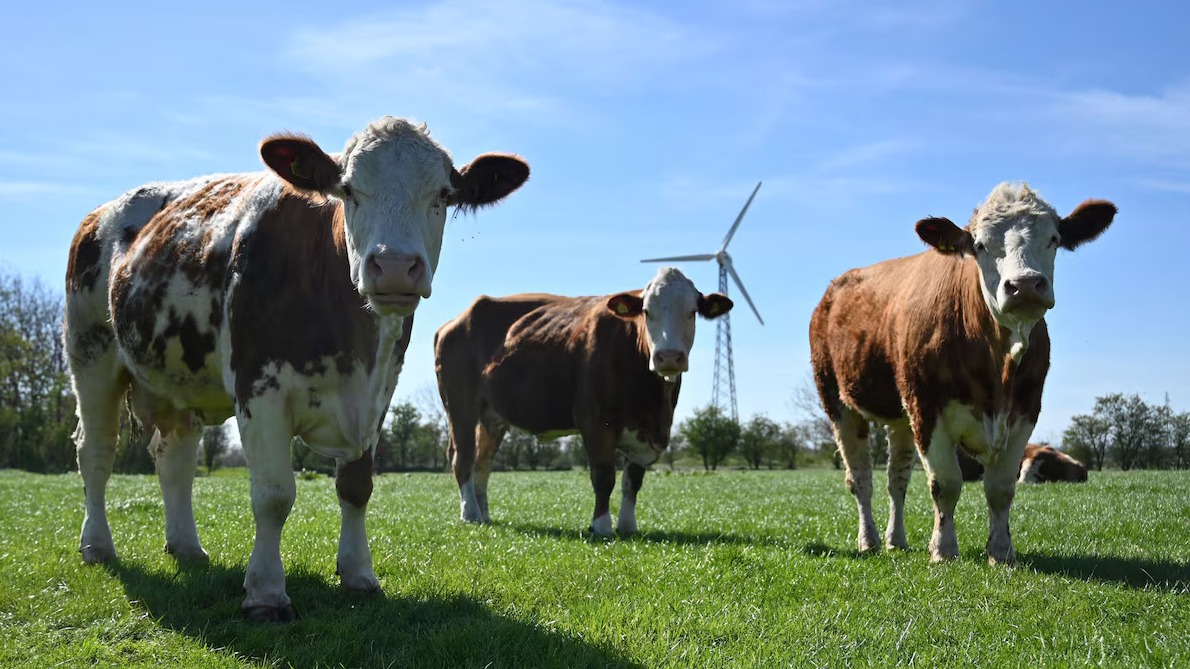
1152 128
533 56
11 190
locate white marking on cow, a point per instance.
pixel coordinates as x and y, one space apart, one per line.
469 511
355 559
602 526
670 308
639 452
1016 241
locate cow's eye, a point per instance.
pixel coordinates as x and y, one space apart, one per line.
444 195
1054 241
347 192
980 247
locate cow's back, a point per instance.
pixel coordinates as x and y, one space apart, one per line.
146 271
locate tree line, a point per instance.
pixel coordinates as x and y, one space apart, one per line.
37 419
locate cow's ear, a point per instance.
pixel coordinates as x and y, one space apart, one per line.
299 161
1086 222
714 305
625 305
488 179
945 236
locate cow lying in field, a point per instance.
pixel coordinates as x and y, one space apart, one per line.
285 298
1040 464
607 368
948 348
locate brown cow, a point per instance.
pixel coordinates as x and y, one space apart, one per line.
947 348
607 368
1041 464
284 298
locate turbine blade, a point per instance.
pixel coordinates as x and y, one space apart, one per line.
740 285
701 256
734 226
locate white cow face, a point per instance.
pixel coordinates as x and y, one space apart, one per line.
667 307
395 184
1014 237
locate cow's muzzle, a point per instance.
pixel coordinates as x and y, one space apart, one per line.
1028 296
394 282
669 363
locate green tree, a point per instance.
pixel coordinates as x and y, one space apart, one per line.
758 440
1088 439
397 438
788 446
36 406
1135 428
215 441
1179 440
711 434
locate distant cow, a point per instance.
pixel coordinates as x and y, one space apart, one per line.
607 368
285 298
947 348
1040 464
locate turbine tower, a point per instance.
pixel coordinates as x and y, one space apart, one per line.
723 391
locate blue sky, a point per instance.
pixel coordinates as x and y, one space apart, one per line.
647 125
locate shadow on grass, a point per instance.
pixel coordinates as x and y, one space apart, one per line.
650 536
1132 572
340 628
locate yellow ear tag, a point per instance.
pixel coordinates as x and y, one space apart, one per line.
298 168
714 308
621 308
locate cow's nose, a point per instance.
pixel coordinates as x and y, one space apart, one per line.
389 271
669 360
1027 285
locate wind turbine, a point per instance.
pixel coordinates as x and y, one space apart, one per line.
723 390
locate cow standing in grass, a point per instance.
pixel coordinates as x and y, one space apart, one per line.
607 368
948 349
285 298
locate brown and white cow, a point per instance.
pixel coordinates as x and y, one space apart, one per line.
1040 464
285 298
608 368
947 348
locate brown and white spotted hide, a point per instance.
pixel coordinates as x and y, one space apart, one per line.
608 368
284 298
948 349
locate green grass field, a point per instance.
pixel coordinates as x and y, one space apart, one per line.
747 569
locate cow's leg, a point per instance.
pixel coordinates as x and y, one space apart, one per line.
99 386
634 477
946 484
900 464
463 428
353 483
999 486
175 456
851 434
488 438
601 454
266 446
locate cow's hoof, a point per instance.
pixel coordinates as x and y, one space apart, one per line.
364 585
1008 558
192 555
601 526
896 544
98 553
270 614
938 557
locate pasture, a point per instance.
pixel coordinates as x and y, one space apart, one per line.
731 569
